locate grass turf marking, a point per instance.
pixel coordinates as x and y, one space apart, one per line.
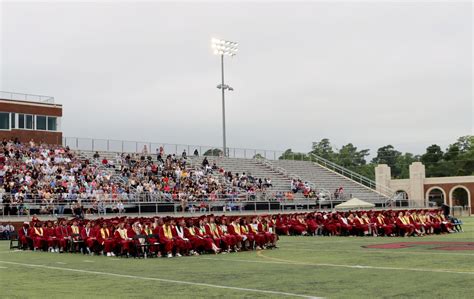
162 280
272 260
373 251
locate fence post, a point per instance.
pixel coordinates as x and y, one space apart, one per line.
92 144
245 153
108 145
122 146
139 208
77 143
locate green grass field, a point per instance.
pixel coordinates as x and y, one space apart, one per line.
331 267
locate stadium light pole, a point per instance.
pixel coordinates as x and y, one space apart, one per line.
224 48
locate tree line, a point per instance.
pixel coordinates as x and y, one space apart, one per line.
456 160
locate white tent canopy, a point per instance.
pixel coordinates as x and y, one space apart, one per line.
354 203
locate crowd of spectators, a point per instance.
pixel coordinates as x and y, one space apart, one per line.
57 178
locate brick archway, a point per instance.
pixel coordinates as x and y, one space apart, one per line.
469 203
428 191
448 189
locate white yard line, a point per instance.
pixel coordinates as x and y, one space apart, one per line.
208 285
370 250
11 251
287 262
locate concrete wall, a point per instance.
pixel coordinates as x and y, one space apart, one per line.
37 136
418 186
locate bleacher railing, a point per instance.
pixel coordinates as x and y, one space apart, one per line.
26 97
153 206
127 146
389 193
144 202
123 146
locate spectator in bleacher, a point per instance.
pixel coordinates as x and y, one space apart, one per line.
96 155
205 162
78 211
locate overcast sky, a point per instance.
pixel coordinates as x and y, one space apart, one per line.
367 73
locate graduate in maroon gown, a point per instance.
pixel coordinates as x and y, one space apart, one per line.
38 236
50 236
89 236
183 244
165 235
106 240
62 233
122 239
24 236
197 242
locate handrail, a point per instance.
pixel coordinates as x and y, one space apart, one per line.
137 197
354 176
130 146
26 97
292 176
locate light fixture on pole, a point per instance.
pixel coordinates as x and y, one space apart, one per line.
224 48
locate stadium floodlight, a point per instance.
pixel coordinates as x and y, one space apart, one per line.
224 48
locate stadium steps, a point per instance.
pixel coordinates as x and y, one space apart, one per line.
252 167
281 172
325 178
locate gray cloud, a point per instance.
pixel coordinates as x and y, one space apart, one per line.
367 73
